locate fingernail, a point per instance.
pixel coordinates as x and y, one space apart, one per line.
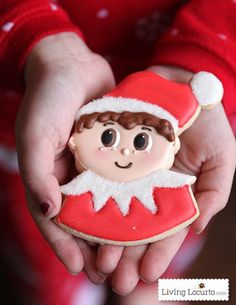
44 207
101 274
199 231
74 273
119 293
92 244
146 281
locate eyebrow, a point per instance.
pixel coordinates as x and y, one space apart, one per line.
146 128
108 123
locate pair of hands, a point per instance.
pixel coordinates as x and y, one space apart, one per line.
61 74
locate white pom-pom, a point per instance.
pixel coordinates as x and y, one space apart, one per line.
207 89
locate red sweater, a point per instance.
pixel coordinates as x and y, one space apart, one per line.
196 35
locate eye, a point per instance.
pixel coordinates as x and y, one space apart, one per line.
110 137
143 141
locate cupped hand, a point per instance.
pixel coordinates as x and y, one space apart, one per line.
61 73
208 151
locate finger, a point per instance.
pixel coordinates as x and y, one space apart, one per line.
108 258
159 255
62 243
36 161
213 188
173 73
89 255
126 275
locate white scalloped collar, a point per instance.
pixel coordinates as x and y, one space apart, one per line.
102 189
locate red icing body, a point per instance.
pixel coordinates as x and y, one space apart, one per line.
175 207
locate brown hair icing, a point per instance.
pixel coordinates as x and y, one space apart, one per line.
128 120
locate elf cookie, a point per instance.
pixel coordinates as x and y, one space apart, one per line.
124 145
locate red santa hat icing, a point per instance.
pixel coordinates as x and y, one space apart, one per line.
179 103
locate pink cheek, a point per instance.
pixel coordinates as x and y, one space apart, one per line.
149 159
93 158
152 161
146 157
101 154
91 154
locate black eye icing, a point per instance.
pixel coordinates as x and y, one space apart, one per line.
141 141
108 137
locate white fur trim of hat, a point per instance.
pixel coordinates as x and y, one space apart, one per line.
206 88
121 104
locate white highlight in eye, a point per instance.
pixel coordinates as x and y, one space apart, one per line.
115 134
143 147
150 142
149 146
117 141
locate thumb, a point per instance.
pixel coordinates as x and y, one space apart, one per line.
213 188
36 161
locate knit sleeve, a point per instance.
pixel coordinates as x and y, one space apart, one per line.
22 24
203 37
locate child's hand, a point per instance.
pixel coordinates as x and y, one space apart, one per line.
208 151
61 73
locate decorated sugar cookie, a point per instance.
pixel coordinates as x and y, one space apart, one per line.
124 145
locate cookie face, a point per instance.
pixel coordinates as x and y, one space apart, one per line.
119 154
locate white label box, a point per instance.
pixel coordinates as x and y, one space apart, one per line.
193 289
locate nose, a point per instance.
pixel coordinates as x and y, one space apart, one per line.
125 151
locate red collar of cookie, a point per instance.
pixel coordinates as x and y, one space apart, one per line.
142 188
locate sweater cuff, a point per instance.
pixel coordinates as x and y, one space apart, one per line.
194 58
23 33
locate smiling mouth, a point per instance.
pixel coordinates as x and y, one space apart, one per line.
126 166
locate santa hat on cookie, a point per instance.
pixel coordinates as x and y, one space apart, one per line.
179 103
